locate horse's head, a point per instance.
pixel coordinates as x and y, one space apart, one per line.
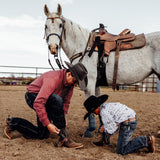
54 29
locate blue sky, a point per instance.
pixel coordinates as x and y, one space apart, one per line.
22 24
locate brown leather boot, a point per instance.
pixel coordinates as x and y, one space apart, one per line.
102 144
7 130
151 143
65 141
68 142
99 143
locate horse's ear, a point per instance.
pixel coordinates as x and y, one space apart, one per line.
59 10
46 10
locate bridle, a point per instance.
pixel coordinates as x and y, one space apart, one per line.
60 64
81 54
51 34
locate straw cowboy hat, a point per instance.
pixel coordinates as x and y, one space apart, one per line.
93 102
80 73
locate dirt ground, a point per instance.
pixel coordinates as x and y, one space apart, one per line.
146 105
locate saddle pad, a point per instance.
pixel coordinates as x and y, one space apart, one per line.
139 42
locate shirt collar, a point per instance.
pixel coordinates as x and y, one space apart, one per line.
64 78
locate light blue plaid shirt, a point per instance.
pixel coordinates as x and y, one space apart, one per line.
112 114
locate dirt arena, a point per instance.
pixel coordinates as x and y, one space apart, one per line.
146 105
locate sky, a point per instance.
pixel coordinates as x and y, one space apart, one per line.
22 24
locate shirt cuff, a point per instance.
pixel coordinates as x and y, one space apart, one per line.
45 122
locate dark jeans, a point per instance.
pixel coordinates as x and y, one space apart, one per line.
54 109
126 146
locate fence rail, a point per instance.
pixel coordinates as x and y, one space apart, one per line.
150 84
22 75
23 69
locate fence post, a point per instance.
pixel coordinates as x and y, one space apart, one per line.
143 87
36 71
158 86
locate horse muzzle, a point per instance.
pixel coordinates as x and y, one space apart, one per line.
53 49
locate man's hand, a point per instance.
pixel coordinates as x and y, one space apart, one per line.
101 129
52 128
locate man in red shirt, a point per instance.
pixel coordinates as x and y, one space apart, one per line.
49 95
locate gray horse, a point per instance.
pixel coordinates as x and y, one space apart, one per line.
134 65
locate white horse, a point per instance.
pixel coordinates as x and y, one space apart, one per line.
134 65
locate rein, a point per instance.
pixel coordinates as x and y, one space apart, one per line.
87 49
81 54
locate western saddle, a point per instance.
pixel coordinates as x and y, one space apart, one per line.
105 42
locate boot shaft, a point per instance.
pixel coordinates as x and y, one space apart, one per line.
63 134
65 141
106 137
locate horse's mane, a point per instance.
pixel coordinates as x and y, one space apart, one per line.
75 29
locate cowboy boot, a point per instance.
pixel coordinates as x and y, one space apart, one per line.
7 129
106 137
151 143
105 140
65 141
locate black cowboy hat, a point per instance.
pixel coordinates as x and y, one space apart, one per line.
93 102
80 73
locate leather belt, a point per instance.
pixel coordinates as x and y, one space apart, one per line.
130 120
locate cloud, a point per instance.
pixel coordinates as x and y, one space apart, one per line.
23 33
23 21
62 2
22 42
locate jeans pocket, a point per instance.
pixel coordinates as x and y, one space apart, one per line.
125 127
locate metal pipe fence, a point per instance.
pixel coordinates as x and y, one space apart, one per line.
150 84
22 75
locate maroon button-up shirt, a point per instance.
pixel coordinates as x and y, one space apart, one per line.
48 83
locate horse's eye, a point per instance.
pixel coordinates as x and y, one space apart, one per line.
60 26
46 27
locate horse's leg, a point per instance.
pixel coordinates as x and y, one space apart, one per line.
91 119
97 91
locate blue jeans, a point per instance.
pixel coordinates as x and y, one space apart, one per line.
125 146
54 109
